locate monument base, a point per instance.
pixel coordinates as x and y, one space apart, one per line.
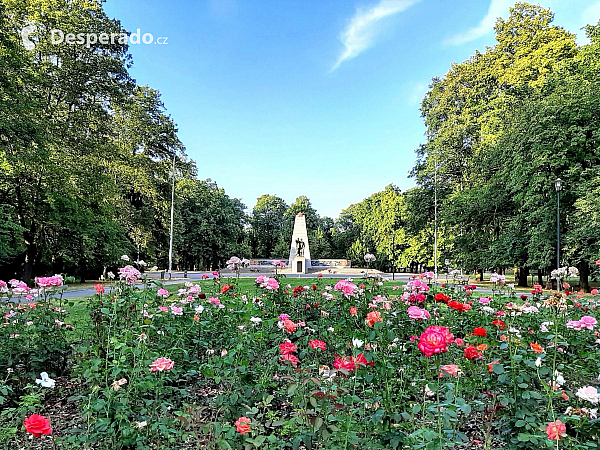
298 265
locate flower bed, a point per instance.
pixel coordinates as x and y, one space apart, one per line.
357 364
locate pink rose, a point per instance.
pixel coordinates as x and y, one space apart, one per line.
416 313
435 339
450 369
345 287
588 322
272 284
161 364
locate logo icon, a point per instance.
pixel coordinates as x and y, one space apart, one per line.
25 32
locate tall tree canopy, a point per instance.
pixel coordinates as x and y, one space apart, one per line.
87 156
501 127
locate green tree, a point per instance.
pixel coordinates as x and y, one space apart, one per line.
267 221
210 226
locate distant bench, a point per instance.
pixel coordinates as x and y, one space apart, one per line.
462 280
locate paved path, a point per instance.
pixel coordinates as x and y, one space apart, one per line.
195 276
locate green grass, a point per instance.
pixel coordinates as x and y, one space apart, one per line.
79 310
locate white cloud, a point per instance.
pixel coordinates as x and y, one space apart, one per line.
486 25
362 28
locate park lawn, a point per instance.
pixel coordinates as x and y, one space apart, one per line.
79 315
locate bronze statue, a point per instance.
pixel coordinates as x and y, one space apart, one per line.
299 247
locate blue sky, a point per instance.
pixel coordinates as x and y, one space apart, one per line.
312 97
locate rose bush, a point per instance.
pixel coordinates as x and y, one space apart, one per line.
285 366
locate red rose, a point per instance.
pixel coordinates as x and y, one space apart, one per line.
202 295
361 360
286 348
37 425
459 306
316 344
441 298
480 331
472 353
499 323
344 362
297 290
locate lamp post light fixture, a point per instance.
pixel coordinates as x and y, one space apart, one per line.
558 187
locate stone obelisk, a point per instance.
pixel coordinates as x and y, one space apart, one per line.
299 250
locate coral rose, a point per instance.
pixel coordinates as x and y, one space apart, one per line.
344 362
373 317
290 326
161 364
242 425
537 348
555 430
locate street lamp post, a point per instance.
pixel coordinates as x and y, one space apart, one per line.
393 255
172 213
558 186
435 243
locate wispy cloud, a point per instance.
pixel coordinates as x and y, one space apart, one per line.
363 27
591 14
416 91
497 9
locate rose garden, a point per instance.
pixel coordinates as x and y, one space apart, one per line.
439 288
308 363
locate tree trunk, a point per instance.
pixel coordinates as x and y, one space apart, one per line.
540 277
523 274
584 276
481 274
29 265
82 270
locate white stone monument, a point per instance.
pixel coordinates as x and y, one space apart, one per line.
299 250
